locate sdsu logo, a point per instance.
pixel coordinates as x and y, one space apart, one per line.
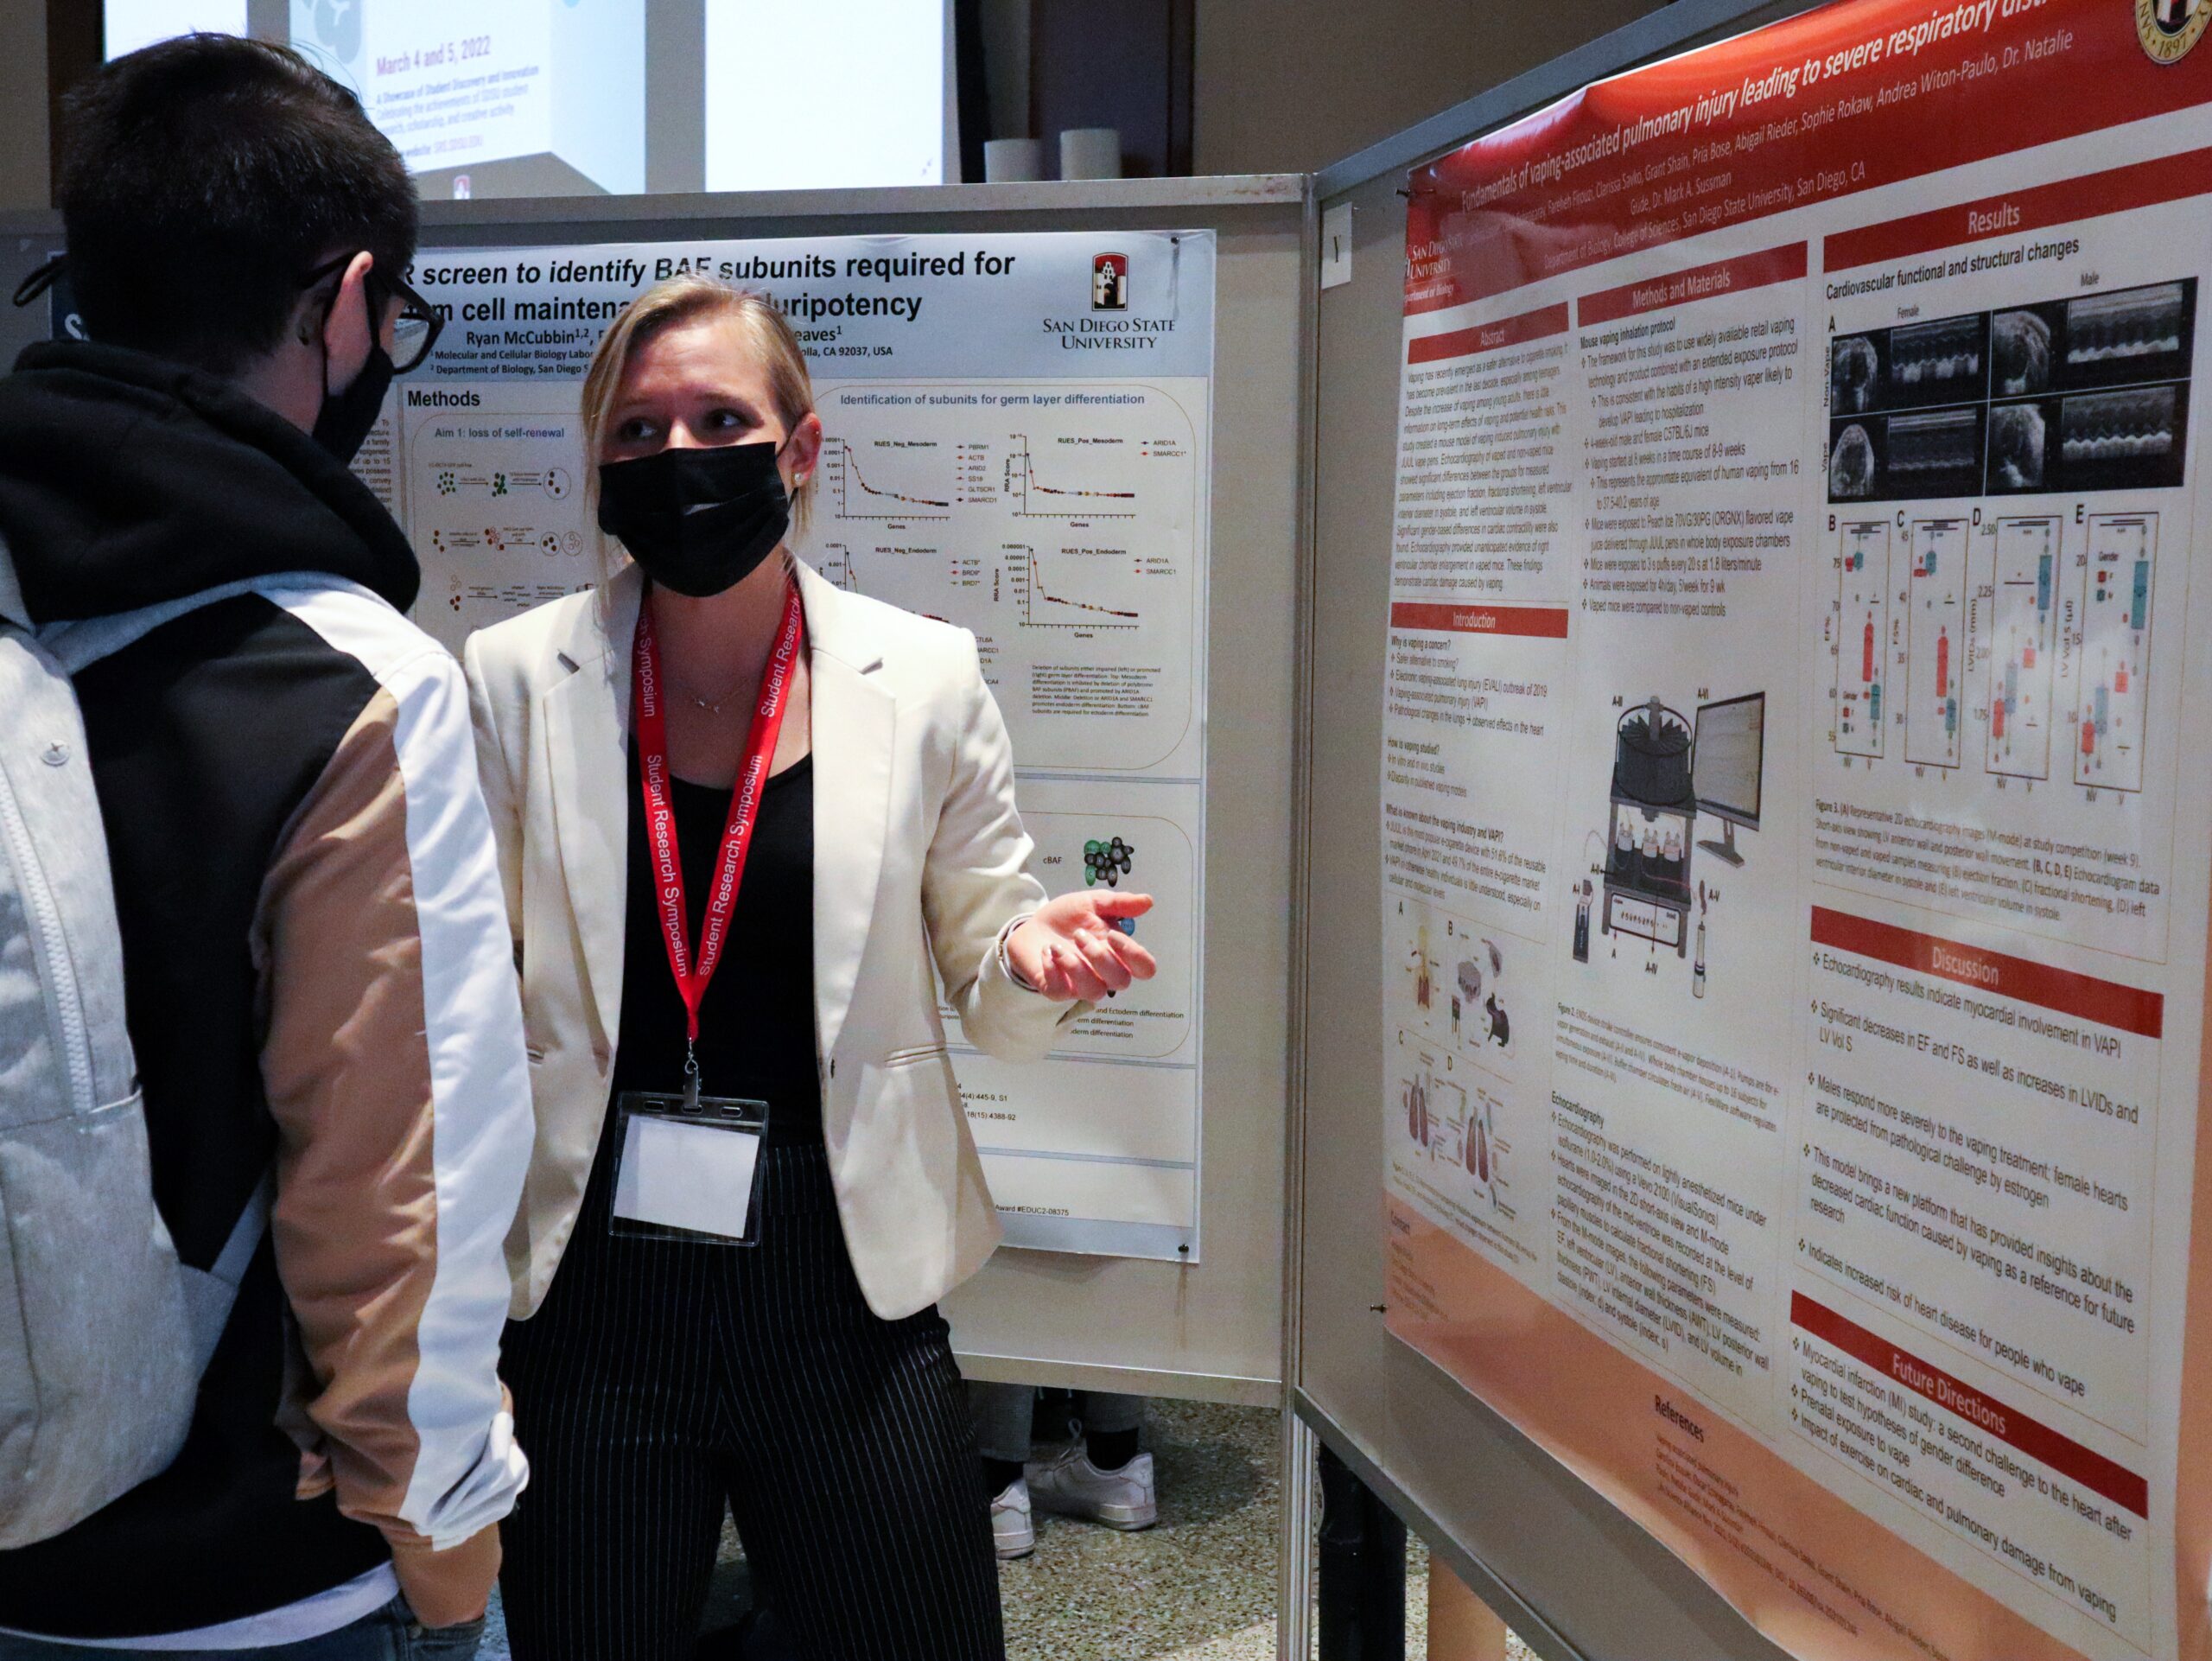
1109 276
2168 28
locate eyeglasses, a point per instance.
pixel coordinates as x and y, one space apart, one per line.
416 330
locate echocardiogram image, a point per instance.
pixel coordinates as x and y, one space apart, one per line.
1851 463
2129 437
1942 361
1854 375
2019 354
2017 433
2128 334
1906 456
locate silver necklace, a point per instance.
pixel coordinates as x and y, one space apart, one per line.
712 706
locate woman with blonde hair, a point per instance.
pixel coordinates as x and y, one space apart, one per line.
751 826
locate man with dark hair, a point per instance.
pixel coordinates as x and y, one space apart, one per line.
320 980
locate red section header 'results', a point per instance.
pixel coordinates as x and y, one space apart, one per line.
2116 190
2127 1009
1489 337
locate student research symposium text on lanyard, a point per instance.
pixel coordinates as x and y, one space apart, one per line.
692 975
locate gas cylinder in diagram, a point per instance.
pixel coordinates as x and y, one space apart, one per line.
1697 975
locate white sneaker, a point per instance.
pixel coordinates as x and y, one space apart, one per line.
1071 1485
1014 1530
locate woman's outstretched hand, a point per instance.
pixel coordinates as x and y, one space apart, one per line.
1072 948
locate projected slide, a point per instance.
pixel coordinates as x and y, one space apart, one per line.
495 81
872 110
535 97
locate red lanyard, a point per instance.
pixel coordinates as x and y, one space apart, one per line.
744 803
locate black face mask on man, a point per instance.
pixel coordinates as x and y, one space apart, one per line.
344 424
699 521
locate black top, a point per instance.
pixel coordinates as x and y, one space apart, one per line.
756 1025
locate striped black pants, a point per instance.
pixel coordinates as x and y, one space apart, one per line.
661 1381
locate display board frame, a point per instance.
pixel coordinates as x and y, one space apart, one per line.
1209 1331
1572 1575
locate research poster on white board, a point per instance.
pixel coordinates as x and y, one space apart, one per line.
1017 440
1794 832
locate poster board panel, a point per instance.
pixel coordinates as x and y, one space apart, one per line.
1210 1331
1596 1584
1790 437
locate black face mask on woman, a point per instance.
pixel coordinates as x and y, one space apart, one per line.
699 521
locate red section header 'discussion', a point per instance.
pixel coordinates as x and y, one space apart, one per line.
1784 264
2060 1453
1489 337
2116 190
2128 1009
1535 622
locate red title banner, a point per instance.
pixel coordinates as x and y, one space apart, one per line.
1839 100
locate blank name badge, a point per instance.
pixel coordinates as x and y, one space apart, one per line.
689 1168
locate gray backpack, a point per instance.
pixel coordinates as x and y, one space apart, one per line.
103 1333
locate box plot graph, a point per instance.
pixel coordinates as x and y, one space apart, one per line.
1935 649
1862 635
2024 629
2117 569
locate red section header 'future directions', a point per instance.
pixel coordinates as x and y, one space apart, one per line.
2060 1453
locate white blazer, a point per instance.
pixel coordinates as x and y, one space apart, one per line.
919 862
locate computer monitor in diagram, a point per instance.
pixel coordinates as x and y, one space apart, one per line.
1667 770
1728 763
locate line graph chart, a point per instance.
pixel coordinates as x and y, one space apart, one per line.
1036 499
861 498
1061 525
1043 608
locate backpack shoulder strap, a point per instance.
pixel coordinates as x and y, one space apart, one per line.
78 645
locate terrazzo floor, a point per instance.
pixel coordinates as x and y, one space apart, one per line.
1200 1586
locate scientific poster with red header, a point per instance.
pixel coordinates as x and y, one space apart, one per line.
1797 816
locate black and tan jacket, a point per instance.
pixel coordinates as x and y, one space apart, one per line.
319 981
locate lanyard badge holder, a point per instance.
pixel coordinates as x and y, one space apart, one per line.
690 1167
689 1163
